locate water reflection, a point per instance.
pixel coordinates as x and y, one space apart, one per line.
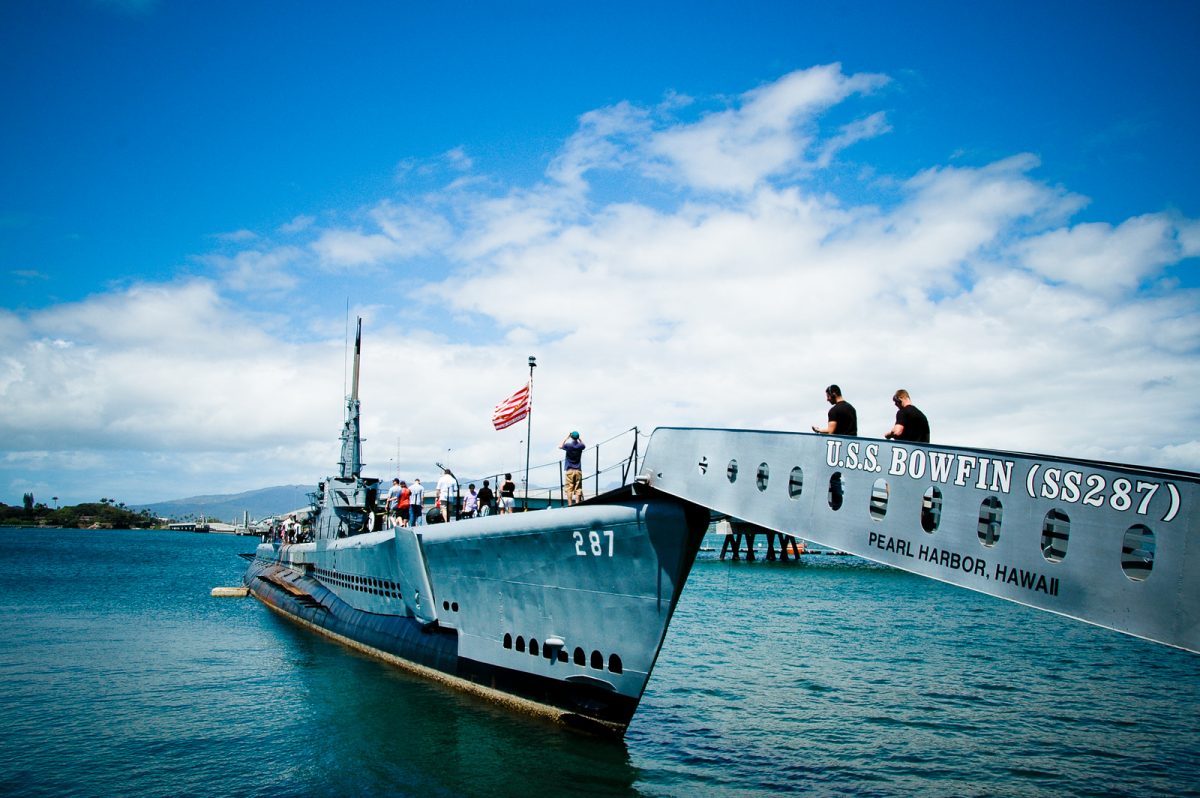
379 729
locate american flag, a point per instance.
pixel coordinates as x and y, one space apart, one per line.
513 409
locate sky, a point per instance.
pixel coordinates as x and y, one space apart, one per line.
691 213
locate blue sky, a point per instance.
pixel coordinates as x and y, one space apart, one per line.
981 196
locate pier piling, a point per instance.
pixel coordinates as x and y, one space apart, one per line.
738 531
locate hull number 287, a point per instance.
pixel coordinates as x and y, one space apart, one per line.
596 544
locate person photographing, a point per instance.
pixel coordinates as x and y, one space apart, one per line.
573 465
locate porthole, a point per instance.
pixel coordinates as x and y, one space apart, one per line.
454 606
580 658
702 466
533 646
991 512
931 509
520 644
762 476
507 640
837 491
879 499
1056 528
614 664
1137 552
446 606
731 471
597 660
796 483
562 655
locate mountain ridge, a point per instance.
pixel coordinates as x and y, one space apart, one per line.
230 507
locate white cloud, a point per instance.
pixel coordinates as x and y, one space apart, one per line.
1107 259
298 224
768 132
237 236
603 141
709 286
355 248
400 232
258 271
874 125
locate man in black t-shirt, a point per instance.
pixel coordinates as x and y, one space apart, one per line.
911 424
843 420
486 497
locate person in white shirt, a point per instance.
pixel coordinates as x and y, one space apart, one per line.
447 493
416 506
470 502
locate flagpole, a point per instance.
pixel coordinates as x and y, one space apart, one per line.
528 430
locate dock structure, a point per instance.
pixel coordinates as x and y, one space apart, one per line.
736 532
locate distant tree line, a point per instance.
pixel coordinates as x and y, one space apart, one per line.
107 513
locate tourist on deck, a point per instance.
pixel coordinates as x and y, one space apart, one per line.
911 424
508 489
416 503
393 501
573 462
843 419
447 494
403 503
486 497
470 502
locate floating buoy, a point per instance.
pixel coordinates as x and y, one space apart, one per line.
231 592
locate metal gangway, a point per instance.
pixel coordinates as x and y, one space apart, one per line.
1109 544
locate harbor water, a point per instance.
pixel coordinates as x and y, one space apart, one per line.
120 675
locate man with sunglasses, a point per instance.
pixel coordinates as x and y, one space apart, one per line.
911 424
843 419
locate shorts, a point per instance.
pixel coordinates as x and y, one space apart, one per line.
574 482
507 503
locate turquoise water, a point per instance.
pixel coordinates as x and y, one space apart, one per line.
120 675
